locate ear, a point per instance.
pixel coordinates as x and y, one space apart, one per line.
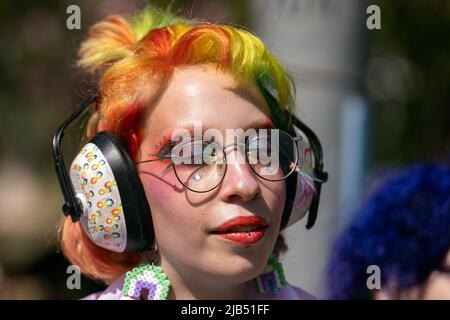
102 126
134 145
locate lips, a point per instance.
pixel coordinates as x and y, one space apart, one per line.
243 229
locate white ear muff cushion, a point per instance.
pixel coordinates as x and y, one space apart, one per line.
95 185
304 191
300 210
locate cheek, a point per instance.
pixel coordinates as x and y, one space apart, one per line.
163 194
274 197
159 189
173 216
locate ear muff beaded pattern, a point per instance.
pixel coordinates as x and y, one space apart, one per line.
272 278
95 187
146 277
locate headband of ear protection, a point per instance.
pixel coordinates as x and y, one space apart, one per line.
104 192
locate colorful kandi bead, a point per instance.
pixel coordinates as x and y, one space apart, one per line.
146 277
272 277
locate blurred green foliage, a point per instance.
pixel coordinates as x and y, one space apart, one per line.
411 115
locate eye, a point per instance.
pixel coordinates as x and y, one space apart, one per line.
258 143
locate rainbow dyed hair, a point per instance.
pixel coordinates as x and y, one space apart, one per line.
134 58
148 47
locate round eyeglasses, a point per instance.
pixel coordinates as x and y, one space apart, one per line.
201 165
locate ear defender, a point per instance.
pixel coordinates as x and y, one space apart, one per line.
304 186
104 192
115 211
302 189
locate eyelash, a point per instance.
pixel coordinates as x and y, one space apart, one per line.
166 150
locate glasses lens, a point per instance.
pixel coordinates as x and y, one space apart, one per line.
272 154
199 165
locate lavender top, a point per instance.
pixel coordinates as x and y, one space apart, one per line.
288 292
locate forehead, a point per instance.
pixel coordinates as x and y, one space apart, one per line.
202 93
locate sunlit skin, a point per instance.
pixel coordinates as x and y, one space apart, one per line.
437 287
201 265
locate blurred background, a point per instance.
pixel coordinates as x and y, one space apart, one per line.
378 100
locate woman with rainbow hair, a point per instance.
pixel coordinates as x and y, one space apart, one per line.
216 226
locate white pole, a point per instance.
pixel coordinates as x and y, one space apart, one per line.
320 41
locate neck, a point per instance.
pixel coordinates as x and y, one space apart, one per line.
188 287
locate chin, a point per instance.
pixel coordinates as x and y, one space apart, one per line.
240 266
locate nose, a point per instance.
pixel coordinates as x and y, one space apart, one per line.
240 182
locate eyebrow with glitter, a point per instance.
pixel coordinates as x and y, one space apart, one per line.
166 144
163 148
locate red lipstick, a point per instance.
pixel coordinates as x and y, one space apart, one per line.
243 229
